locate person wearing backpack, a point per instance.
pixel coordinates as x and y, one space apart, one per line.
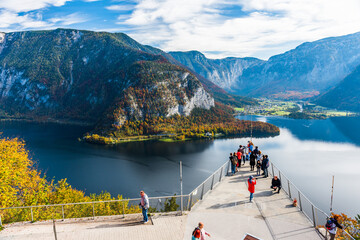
331 226
199 232
233 163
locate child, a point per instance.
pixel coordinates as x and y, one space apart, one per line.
258 167
251 188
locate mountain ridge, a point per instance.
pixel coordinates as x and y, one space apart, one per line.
310 69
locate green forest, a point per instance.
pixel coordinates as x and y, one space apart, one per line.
202 123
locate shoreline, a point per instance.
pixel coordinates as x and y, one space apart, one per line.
57 121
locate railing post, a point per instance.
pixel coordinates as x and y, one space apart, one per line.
313 215
32 215
54 229
272 168
190 202
202 192
0 221
289 188
221 173
123 209
62 210
300 202
94 211
212 182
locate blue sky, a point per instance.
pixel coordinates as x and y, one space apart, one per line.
218 28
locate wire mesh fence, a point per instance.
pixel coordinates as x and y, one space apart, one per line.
315 215
113 207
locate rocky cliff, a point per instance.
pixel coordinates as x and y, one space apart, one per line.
84 75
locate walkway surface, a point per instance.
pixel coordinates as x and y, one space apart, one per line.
225 211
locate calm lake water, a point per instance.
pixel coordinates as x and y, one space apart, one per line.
309 152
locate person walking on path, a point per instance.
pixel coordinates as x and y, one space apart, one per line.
199 233
331 225
265 165
252 161
144 203
251 187
276 184
258 167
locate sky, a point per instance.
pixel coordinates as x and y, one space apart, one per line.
218 28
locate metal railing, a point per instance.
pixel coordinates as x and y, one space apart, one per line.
316 216
115 207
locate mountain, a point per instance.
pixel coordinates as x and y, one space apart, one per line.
345 95
309 69
223 72
84 75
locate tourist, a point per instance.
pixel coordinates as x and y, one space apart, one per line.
258 167
144 203
250 146
200 233
239 156
331 225
251 187
265 165
252 161
276 184
237 161
233 163
256 150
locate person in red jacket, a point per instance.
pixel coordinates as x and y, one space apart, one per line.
251 187
239 154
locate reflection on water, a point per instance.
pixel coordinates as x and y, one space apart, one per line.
309 152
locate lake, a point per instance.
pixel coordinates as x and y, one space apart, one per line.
309 152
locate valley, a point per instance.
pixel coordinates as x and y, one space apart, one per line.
293 109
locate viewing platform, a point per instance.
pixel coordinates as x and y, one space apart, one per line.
225 211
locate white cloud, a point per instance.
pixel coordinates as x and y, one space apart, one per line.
8 19
120 7
68 19
29 5
268 27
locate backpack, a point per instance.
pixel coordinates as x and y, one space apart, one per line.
330 224
196 233
234 160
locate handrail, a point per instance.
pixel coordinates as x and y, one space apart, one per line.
115 200
224 165
303 195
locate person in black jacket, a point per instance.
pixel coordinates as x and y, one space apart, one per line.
252 161
276 184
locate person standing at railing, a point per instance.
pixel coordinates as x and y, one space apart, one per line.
239 156
265 165
233 163
144 203
251 187
243 153
331 225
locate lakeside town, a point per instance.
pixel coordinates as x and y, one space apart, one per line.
293 109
